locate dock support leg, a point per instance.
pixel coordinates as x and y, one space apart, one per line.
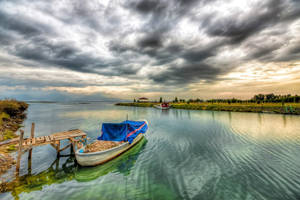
29 166
30 150
71 148
58 148
19 151
57 164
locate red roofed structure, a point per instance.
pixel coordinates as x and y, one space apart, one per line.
143 99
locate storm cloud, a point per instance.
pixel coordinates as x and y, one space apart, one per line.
164 42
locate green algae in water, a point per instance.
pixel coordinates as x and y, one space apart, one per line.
121 164
71 171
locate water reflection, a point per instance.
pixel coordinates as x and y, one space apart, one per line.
70 170
261 126
122 165
165 112
190 154
111 115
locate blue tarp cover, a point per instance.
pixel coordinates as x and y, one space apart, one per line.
124 131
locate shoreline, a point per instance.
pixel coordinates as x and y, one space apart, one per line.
12 115
272 108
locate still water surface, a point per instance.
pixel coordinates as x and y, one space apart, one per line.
186 155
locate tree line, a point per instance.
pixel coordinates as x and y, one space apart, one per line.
261 98
258 98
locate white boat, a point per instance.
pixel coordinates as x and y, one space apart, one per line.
100 157
162 106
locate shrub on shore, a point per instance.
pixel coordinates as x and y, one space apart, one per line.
12 107
11 117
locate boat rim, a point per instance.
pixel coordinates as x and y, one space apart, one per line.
99 152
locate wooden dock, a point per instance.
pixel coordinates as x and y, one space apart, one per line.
75 138
53 138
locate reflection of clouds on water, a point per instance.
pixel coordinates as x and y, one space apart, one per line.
96 114
190 154
262 126
91 120
258 126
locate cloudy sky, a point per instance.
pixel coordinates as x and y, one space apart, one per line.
113 49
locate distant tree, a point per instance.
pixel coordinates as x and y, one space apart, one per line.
134 100
160 100
176 100
259 98
198 100
297 99
270 97
233 100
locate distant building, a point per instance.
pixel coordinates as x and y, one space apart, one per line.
143 99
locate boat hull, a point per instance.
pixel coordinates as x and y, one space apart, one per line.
162 108
97 158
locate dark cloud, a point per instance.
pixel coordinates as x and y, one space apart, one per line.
262 53
11 23
258 50
22 25
187 73
295 49
240 27
147 6
262 16
5 38
59 54
66 55
119 39
292 53
187 2
198 54
153 41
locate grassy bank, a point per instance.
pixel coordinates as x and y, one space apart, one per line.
12 114
287 108
150 104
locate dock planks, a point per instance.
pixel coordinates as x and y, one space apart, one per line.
53 138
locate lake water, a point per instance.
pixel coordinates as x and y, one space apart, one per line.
186 155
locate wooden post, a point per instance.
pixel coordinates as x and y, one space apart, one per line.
57 164
31 136
58 148
29 163
71 148
30 150
19 151
32 130
72 142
